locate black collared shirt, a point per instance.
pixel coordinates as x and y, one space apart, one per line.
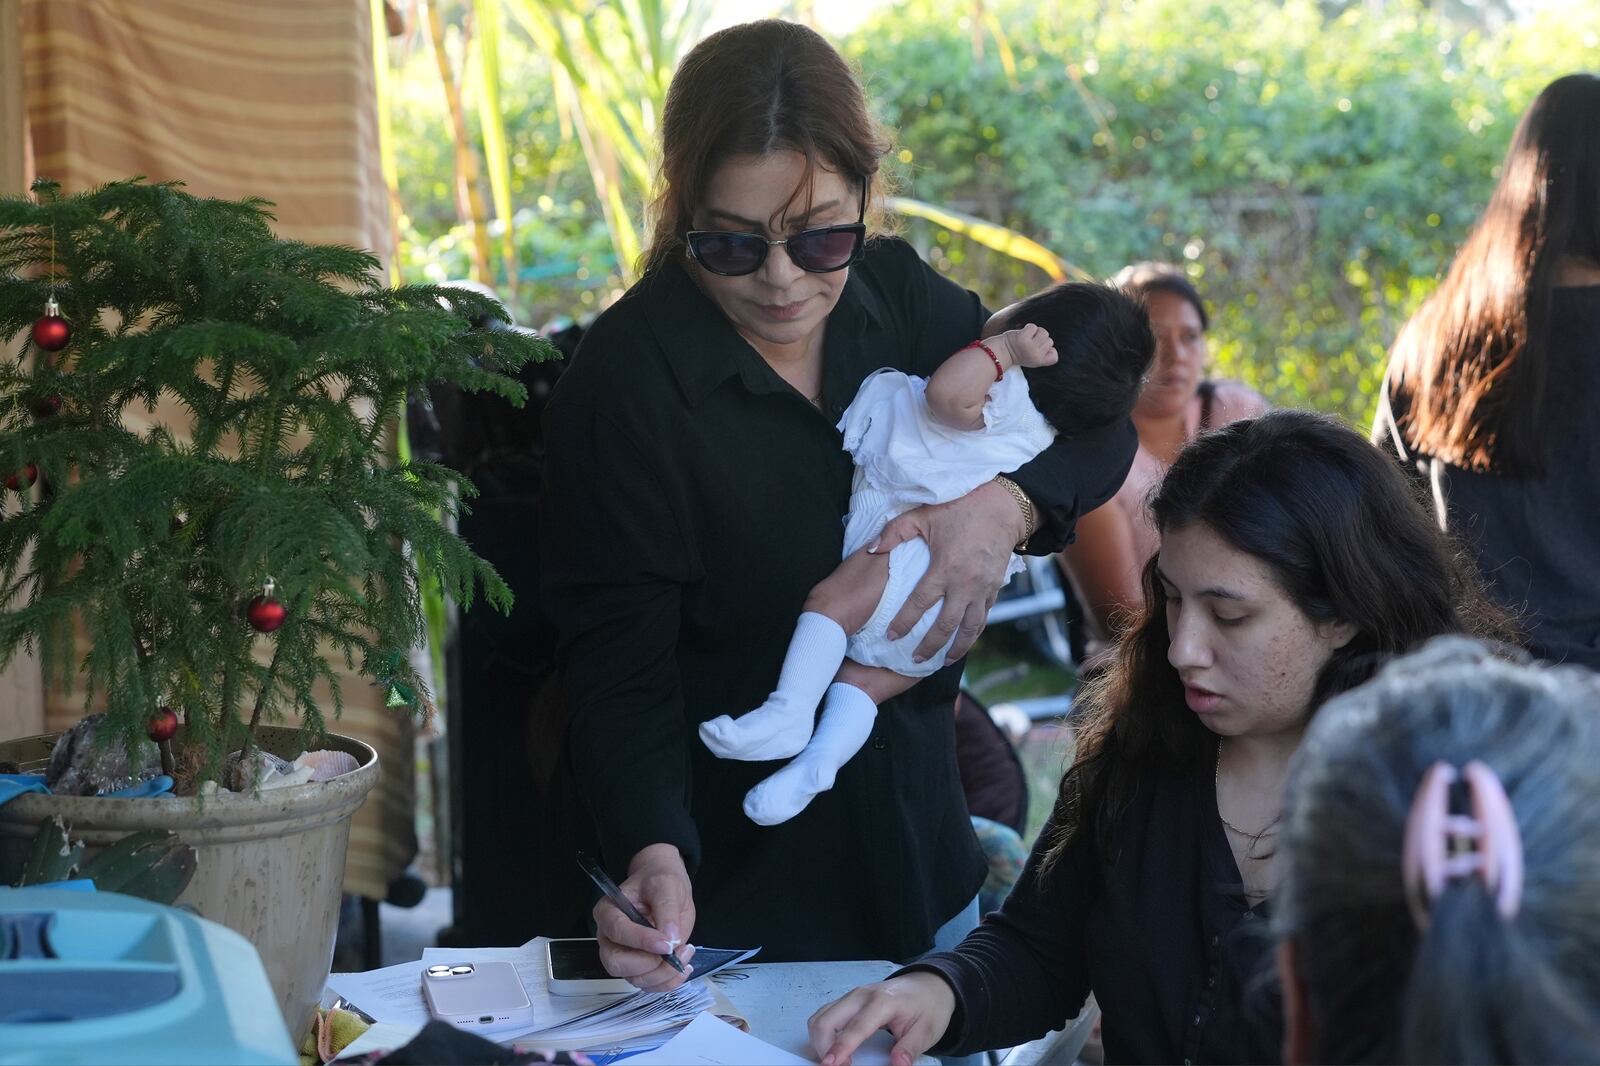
1155 923
691 500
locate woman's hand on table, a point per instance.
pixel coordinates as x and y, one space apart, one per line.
969 545
915 1007
658 885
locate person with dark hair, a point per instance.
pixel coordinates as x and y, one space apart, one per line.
991 406
694 493
1294 557
1440 899
1492 385
1114 541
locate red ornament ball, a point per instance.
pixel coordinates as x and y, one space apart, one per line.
45 406
51 332
163 725
265 614
20 480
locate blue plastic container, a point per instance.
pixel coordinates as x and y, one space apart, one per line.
96 977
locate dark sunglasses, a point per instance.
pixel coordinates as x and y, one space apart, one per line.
817 251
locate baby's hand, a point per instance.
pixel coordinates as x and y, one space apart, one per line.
1029 346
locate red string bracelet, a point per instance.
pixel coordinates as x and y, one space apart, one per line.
999 370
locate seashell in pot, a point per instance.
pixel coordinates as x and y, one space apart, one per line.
327 764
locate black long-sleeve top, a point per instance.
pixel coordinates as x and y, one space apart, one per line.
1155 924
691 500
1534 537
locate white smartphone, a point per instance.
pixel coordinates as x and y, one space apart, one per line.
575 970
476 995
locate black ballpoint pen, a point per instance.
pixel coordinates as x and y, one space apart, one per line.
614 894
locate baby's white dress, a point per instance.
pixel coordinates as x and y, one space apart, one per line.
904 459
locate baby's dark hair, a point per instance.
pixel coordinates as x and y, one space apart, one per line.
1105 346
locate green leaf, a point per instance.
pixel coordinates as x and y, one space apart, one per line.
142 862
55 855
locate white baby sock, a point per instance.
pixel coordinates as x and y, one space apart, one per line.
847 718
780 727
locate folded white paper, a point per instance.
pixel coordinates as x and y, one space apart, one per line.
710 1041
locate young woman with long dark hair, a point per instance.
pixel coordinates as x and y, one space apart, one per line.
1493 385
1294 557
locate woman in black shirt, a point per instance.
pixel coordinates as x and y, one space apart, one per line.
1293 559
695 490
1492 387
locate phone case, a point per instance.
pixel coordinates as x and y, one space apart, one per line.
476 995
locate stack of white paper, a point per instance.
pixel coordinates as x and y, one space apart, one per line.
618 1021
623 1022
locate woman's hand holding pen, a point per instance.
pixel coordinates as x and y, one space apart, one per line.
969 544
658 884
916 1008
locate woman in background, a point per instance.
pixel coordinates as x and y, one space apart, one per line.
1179 401
1441 856
1493 385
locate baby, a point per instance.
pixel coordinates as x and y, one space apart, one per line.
989 408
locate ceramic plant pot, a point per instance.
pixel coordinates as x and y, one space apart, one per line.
268 866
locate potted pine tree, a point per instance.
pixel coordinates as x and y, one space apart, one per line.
213 571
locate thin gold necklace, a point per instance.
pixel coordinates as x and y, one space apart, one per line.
1216 780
